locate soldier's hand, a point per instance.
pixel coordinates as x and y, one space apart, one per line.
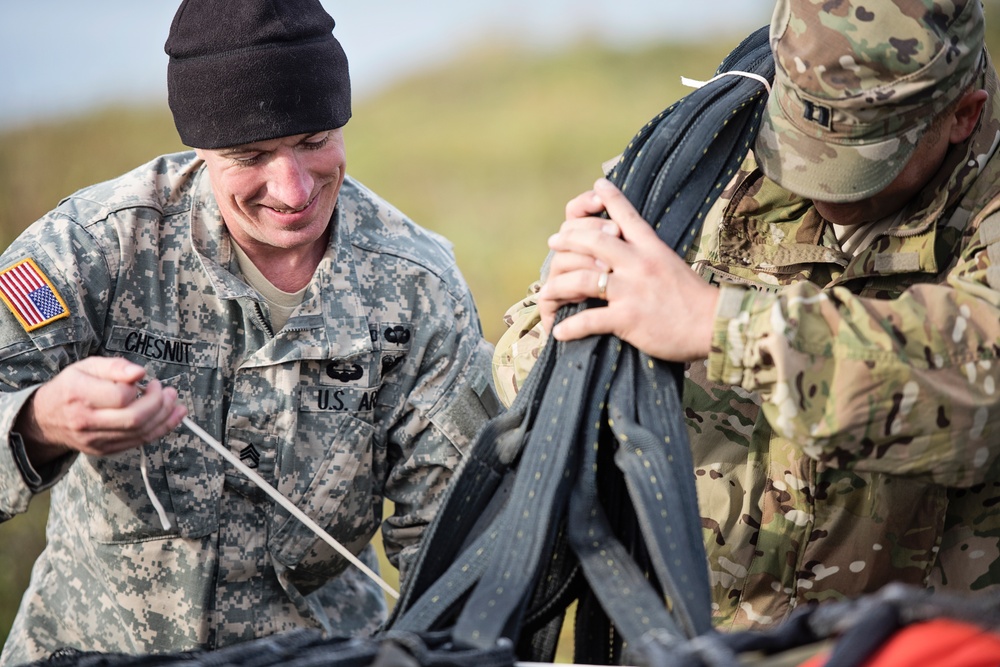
97 406
654 300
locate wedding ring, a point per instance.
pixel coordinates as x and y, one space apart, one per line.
602 285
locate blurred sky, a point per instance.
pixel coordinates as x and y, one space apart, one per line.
59 57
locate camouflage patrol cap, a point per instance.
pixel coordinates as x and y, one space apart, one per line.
856 84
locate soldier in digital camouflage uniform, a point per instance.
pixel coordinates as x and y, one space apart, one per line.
286 309
842 322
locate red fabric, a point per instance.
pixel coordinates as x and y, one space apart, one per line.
937 643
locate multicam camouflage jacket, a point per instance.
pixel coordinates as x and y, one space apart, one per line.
371 391
844 427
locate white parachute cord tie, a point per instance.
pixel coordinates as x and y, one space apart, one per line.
287 504
157 505
694 83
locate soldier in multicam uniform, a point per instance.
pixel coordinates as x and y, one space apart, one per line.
286 309
842 322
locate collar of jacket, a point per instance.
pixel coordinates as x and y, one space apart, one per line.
211 242
930 229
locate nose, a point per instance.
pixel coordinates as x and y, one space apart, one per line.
290 183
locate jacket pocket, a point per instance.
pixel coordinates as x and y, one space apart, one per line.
873 528
327 474
179 468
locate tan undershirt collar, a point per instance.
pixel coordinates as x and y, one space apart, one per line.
280 304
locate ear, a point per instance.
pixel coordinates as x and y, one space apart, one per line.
967 114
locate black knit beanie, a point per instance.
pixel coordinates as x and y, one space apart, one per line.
247 70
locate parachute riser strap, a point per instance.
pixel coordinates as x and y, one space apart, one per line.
546 472
492 455
654 458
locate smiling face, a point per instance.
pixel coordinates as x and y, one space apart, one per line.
278 193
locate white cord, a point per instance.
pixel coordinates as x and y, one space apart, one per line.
694 83
287 504
164 519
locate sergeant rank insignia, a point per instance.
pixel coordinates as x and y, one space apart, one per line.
30 295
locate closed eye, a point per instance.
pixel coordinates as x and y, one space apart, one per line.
316 141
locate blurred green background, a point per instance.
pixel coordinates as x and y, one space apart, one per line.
486 151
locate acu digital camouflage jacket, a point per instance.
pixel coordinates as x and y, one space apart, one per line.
845 425
371 391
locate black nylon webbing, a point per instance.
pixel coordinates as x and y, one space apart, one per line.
850 631
584 404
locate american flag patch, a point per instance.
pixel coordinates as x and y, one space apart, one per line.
30 295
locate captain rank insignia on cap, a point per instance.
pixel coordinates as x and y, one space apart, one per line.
30 295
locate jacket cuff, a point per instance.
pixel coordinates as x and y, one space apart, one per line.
38 480
729 340
19 480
